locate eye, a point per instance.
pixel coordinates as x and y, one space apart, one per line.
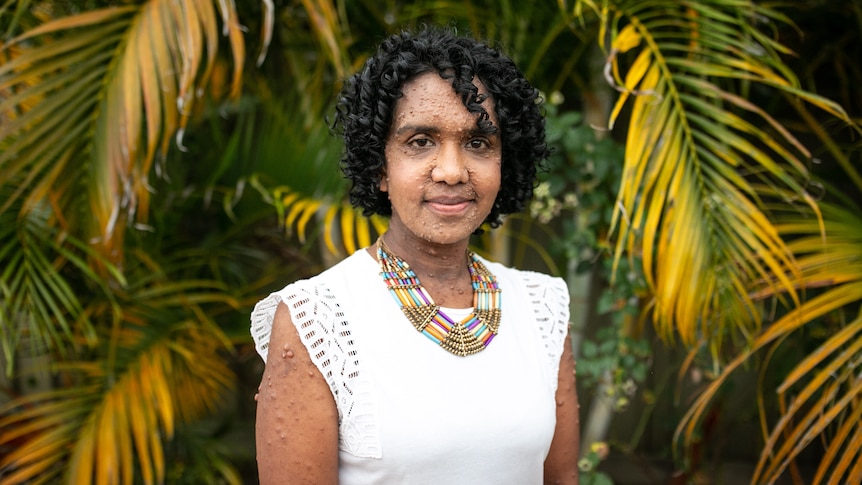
478 144
420 142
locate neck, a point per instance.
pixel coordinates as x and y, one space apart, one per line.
431 262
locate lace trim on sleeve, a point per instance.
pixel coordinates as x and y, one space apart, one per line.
325 332
261 323
549 299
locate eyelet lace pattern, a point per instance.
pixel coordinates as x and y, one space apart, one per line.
549 299
326 334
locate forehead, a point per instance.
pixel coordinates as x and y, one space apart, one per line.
430 96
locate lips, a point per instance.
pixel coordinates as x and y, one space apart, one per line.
449 204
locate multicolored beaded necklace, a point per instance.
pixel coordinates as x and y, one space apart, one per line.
463 338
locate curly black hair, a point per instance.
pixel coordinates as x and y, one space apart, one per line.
367 101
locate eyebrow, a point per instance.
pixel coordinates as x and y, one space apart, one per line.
435 130
417 128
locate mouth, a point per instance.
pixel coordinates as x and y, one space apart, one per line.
449 204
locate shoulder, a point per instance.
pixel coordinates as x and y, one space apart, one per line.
309 301
547 298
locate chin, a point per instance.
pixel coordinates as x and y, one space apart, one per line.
446 238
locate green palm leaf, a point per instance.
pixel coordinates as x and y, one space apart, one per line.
296 171
36 296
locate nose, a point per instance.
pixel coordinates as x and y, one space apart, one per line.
451 165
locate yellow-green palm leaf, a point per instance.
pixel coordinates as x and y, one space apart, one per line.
700 159
344 228
160 368
96 99
821 398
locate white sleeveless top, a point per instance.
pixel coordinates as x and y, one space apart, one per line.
409 411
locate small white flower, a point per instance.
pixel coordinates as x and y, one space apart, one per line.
543 191
556 98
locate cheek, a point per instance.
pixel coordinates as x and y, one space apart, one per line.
406 178
495 187
495 180
384 176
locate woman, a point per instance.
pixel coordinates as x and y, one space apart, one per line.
414 360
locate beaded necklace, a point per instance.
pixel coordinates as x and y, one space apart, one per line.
463 338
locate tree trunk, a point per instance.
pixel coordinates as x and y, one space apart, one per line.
597 105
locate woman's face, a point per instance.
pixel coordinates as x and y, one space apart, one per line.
442 173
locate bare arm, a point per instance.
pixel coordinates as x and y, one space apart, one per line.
297 419
561 465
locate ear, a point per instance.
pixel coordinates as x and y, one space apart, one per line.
384 183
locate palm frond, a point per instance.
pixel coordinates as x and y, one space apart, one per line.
98 96
167 370
829 399
296 170
328 25
689 203
343 227
821 396
37 296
